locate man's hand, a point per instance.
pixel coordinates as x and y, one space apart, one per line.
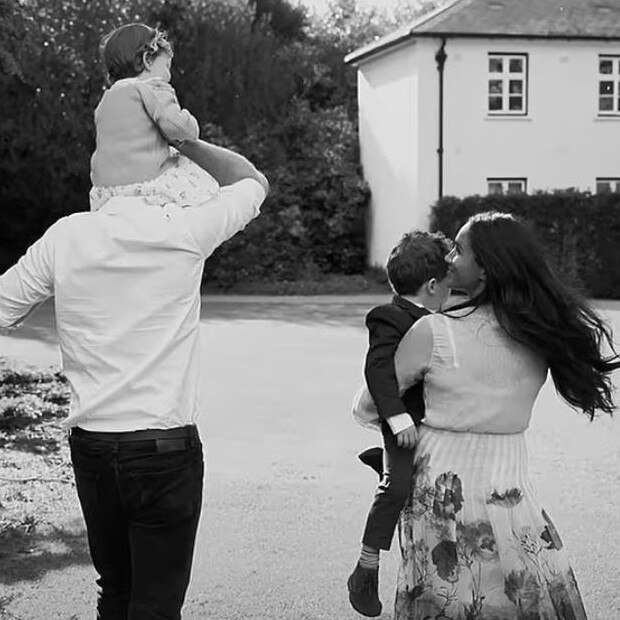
407 438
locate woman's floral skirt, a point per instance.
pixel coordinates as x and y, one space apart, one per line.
475 542
184 184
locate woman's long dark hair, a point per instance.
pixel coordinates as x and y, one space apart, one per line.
537 309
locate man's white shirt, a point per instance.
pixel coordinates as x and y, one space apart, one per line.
126 286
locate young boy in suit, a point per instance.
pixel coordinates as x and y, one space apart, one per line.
417 273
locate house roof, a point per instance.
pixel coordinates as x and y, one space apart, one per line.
561 19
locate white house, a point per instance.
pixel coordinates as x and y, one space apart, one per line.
486 96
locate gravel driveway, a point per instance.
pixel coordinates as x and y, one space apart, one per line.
285 496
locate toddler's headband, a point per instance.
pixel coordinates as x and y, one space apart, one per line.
157 43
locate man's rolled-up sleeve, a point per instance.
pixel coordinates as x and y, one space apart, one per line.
217 220
29 282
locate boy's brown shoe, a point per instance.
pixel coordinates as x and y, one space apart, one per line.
363 585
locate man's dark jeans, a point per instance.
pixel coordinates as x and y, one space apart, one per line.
141 495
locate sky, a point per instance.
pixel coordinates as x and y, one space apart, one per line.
321 5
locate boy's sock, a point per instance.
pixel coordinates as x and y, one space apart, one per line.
369 557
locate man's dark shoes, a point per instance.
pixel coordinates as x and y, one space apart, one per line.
373 457
363 587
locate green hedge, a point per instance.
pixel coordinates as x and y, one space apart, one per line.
581 231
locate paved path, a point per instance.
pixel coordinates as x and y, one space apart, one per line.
285 496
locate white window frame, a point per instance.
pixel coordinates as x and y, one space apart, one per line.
610 181
505 183
503 85
607 80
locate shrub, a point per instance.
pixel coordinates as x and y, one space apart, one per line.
313 222
581 231
28 396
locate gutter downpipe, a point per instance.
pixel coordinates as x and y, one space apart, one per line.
440 58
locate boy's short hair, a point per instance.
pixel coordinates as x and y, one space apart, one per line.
417 258
123 49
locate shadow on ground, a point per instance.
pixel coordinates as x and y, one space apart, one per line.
304 310
299 310
27 556
33 443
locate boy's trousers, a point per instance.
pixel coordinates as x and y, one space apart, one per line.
391 494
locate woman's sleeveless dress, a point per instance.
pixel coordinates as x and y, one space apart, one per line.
475 541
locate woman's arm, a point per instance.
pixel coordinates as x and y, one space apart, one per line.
414 353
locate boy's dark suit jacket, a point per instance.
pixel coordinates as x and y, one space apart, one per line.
387 325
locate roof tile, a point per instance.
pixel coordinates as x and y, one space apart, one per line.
555 18
591 19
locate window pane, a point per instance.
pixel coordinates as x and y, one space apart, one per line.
605 104
516 87
516 65
603 187
607 186
515 187
495 187
496 65
605 66
495 87
495 103
606 88
515 103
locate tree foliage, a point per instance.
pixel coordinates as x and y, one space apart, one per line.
285 21
258 74
13 37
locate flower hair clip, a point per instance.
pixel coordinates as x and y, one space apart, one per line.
159 43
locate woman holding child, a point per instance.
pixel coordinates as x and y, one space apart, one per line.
475 542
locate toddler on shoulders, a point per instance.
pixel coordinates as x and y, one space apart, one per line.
139 124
